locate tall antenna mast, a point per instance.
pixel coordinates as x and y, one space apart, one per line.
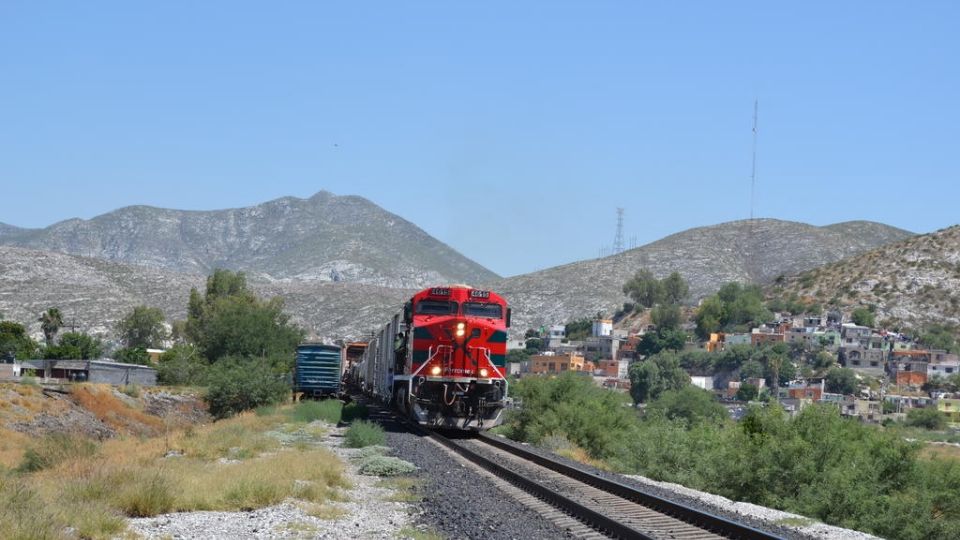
618 239
753 168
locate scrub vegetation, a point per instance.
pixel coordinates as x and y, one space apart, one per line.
816 464
245 462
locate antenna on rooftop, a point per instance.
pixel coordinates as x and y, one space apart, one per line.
618 239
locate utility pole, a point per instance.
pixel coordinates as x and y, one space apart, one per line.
753 166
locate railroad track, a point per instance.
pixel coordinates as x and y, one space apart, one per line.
608 507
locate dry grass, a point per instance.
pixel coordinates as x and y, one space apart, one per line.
940 451
230 465
579 454
99 400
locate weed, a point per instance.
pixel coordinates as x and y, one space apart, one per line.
405 489
411 533
148 495
363 433
368 451
328 410
54 449
385 466
131 390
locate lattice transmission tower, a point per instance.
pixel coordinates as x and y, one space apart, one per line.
618 239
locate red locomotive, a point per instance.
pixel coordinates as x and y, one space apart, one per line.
442 360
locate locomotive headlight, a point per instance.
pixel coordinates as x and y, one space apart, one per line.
483 372
435 370
461 329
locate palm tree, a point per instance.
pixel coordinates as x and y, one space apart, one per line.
50 322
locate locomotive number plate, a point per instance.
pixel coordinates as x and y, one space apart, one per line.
438 291
479 294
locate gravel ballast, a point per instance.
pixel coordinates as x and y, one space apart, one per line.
459 503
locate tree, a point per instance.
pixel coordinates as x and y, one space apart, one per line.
182 365
863 317
75 346
533 345
231 321
709 316
824 360
578 329
132 355
675 289
15 343
143 327
747 392
652 377
517 356
50 321
666 316
644 289
938 336
841 381
751 369
927 418
688 403
663 339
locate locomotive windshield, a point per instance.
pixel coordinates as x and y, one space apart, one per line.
476 309
436 307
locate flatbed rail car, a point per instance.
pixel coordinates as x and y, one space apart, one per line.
316 372
441 361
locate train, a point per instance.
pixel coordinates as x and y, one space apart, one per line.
441 361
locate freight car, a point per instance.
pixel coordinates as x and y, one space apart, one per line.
441 361
316 371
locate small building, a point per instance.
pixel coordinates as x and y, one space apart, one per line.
766 334
702 382
812 390
598 347
950 407
866 411
909 368
557 363
602 327
612 369
95 371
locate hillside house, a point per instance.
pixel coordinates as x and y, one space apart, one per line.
557 363
866 411
942 364
612 369
909 368
767 334
602 347
950 407
812 389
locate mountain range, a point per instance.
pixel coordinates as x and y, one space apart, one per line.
343 264
912 283
323 238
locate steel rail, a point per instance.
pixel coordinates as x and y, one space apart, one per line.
705 520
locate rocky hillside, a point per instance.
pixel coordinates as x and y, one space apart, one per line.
913 282
323 238
707 257
94 294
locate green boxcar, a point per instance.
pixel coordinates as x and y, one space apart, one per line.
317 370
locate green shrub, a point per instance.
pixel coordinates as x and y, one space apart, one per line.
328 410
353 411
53 449
927 418
385 466
363 433
236 385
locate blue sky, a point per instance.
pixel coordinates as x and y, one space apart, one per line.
509 130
